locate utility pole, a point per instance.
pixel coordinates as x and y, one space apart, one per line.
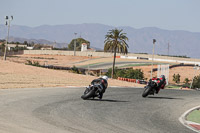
168 49
154 41
75 44
54 44
7 23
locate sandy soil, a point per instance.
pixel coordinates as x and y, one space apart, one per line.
57 60
19 75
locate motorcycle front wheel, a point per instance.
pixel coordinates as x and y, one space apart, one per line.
146 91
88 94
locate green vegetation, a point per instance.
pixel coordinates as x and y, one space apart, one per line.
174 86
2 47
74 69
196 82
140 53
60 48
132 65
17 48
33 63
186 81
179 56
37 46
79 41
126 73
116 42
176 78
194 116
89 65
28 62
2 40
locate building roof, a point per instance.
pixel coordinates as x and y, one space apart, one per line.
84 43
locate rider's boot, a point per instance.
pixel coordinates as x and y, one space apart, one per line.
157 90
100 96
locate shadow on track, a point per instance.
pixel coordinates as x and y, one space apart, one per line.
106 100
165 98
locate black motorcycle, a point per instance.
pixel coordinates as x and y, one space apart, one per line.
91 91
150 89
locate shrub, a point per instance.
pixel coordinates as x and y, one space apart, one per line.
74 69
35 63
186 81
28 62
126 73
176 78
196 82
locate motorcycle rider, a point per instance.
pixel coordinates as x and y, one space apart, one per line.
161 82
102 82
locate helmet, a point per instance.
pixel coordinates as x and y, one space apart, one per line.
162 76
105 77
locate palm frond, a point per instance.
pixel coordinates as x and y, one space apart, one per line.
115 40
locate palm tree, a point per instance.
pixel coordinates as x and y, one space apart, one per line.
115 41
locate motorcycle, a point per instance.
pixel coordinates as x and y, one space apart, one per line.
91 91
150 89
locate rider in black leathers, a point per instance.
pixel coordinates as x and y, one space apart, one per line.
102 83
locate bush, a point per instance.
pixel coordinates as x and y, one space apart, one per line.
196 82
186 81
28 62
126 73
79 42
176 78
35 63
186 85
76 70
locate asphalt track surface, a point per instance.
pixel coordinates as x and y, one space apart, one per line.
122 110
109 65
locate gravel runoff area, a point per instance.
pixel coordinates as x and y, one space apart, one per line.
17 75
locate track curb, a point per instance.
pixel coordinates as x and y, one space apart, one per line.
189 124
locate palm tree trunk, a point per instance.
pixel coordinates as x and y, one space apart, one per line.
113 68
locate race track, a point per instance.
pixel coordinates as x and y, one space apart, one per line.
108 65
122 110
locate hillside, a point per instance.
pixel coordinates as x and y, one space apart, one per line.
140 40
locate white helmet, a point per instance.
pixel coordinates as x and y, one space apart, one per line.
105 77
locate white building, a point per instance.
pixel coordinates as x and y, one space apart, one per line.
12 46
83 47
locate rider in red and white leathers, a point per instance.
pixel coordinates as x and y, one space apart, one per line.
161 82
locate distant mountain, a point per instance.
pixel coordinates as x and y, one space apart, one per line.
140 40
37 41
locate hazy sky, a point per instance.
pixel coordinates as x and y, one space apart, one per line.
165 14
